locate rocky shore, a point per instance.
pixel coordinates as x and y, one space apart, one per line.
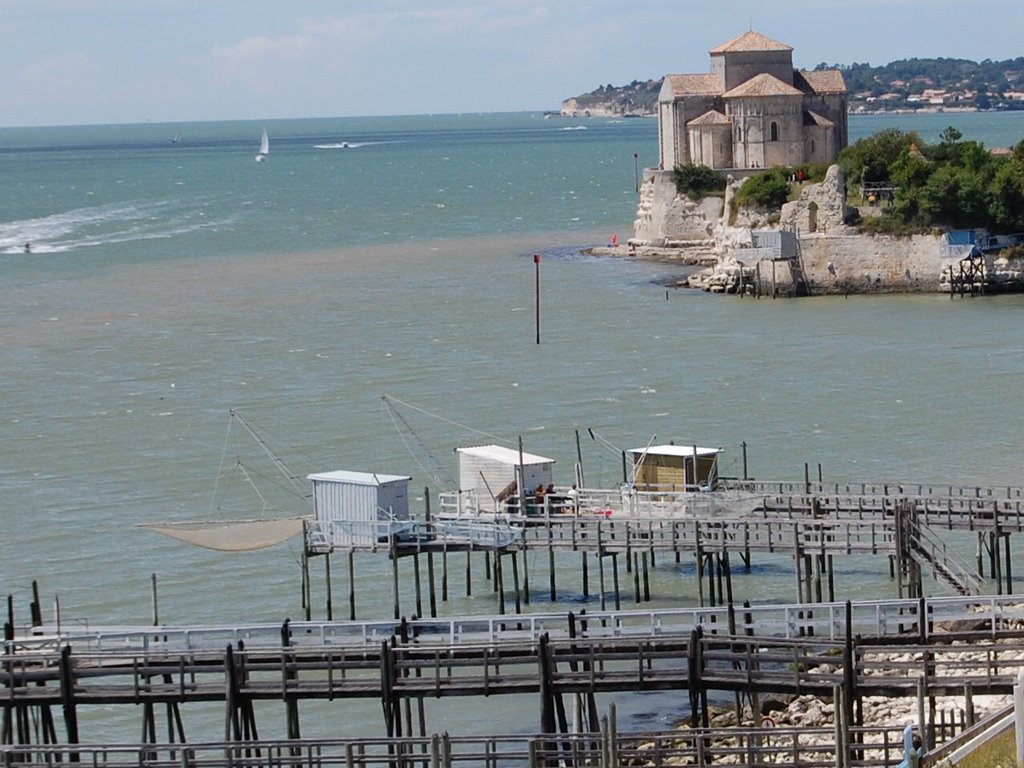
827 255
810 712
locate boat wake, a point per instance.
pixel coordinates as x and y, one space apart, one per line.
350 144
102 225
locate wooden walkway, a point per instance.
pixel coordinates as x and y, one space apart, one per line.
807 747
581 665
810 747
907 522
989 617
923 661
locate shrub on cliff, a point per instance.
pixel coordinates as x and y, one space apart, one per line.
697 181
765 190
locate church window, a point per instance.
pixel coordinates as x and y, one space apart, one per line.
812 146
775 131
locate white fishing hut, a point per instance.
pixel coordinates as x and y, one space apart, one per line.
359 508
488 474
675 468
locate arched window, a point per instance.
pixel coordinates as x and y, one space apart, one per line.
775 131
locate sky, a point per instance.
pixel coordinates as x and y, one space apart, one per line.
69 62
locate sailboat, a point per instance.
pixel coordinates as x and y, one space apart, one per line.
264 146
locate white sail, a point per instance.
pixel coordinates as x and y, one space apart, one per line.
264 146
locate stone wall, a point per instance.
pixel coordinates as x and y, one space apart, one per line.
834 258
821 208
852 263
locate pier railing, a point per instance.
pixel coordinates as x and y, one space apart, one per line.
981 617
806 747
904 666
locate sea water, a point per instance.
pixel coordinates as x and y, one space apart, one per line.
168 282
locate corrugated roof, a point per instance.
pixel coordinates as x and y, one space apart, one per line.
751 41
693 85
675 450
821 81
712 117
503 455
356 478
763 85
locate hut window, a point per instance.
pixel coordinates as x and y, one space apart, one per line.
775 131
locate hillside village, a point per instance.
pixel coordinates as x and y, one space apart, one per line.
927 85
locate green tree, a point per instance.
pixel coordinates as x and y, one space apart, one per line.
697 181
1007 203
869 159
765 190
950 136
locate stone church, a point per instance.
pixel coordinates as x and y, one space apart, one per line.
752 110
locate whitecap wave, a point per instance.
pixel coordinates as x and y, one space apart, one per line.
574 128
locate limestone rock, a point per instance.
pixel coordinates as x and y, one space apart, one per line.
663 215
821 208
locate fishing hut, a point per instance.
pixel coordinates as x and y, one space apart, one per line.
674 467
358 509
491 476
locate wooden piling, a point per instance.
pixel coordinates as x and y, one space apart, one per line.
156 609
586 577
394 575
444 574
636 579
698 557
1009 564
615 580
515 580
551 567
417 585
430 564
526 575
647 578
67 695
351 585
499 582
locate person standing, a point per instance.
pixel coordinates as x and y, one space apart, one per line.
913 750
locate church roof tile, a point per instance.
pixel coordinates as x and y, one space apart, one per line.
820 81
694 85
750 41
711 117
763 85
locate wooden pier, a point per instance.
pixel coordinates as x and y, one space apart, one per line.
921 530
918 654
911 647
810 747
